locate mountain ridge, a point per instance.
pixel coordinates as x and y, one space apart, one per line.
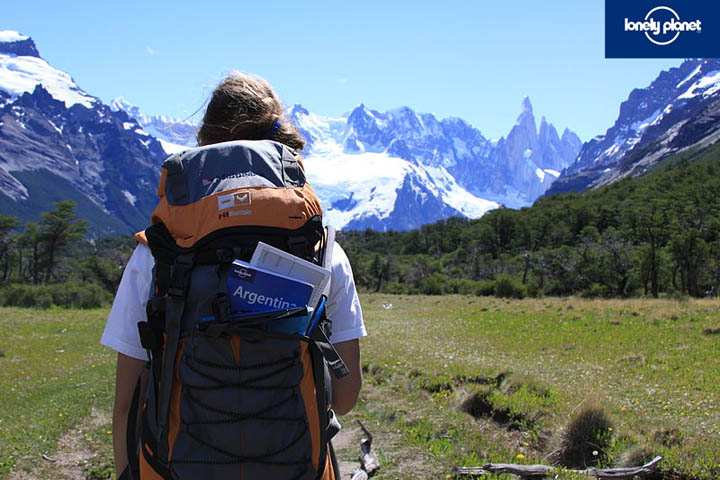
680 109
386 170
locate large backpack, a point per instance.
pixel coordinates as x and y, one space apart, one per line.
226 398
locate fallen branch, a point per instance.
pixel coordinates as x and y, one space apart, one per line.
369 463
542 470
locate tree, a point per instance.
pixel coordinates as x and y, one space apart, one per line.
7 242
651 229
617 259
30 239
57 230
381 270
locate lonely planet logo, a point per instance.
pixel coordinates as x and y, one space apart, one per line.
662 29
662 25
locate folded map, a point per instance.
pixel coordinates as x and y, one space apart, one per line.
255 289
283 263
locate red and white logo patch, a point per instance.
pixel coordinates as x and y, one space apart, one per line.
236 199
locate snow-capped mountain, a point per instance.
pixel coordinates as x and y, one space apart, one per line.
57 143
679 110
384 170
362 188
21 68
400 169
174 135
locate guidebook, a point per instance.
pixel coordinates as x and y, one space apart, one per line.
282 263
256 289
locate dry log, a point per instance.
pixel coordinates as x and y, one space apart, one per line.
369 463
542 470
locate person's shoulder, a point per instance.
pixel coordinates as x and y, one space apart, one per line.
142 251
141 258
339 258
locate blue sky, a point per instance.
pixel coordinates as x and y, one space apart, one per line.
471 59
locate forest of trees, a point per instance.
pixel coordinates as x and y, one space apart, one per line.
649 236
53 261
656 235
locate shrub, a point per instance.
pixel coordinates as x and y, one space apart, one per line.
396 288
585 440
533 289
464 286
435 284
513 382
485 288
506 287
79 295
597 291
41 299
69 295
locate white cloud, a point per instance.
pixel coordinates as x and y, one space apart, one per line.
151 51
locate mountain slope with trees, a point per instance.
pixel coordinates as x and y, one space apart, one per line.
654 235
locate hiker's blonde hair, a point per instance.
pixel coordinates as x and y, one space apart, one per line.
245 107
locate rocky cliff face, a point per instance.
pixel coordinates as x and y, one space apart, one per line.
677 111
468 172
57 142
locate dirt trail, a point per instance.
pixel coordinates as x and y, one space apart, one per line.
70 457
73 452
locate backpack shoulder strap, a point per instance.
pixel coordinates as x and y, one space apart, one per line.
327 256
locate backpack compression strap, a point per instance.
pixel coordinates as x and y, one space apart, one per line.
327 256
319 335
179 275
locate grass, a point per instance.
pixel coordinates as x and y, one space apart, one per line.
528 365
650 363
53 374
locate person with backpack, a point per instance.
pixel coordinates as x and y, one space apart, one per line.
218 393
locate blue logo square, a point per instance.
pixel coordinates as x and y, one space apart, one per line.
662 29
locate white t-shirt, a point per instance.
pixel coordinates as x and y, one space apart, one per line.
121 332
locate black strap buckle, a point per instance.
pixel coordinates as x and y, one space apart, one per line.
155 308
332 357
179 273
221 307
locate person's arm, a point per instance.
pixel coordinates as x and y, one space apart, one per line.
128 371
121 335
345 390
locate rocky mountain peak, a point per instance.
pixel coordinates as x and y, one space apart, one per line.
547 131
13 43
119 104
526 119
298 110
526 105
361 117
523 137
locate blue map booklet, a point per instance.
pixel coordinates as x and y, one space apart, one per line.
254 289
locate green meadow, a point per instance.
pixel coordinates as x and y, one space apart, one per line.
449 381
